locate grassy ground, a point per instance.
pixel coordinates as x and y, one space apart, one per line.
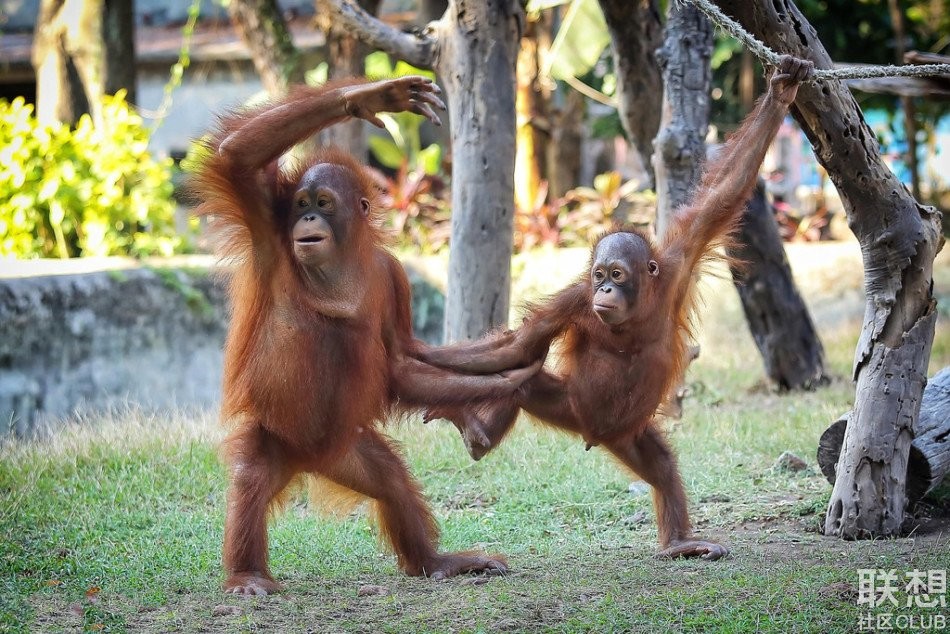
116 525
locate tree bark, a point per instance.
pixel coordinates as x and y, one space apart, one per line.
476 61
473 48
564 150
680 144
899 238
636 32
775 311
118 33
67 57
263 30
929 459
531 109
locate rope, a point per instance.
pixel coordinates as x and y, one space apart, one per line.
767 55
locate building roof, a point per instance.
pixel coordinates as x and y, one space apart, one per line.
158 34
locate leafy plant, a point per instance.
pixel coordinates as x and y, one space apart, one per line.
417 209
584 213
404 148
84 191
414 193
538 225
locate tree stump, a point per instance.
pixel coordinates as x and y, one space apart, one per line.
929 459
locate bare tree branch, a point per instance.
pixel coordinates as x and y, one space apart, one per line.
417 49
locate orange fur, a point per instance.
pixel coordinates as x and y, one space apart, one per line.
315 356
624 329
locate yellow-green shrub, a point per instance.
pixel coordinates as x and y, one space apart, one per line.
84 191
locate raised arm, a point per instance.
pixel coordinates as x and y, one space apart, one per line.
729 180
237 181
256 139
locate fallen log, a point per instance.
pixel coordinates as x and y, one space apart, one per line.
929 459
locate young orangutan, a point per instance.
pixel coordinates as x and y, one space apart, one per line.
316 355
624 330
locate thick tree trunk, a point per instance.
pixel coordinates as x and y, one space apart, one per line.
473 48
476 61
899 238
775 311
680 144
636 33
68 59
929 459
264 32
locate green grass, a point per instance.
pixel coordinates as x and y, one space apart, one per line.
116 525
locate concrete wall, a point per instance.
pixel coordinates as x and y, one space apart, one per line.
151 337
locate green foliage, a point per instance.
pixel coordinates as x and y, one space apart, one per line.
852 32
85 191
177 72
417 209
414 195
404 149
580 41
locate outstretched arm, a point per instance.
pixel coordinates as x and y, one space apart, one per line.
417 383
514 349
422 385
728 182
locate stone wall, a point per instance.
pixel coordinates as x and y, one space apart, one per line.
149 337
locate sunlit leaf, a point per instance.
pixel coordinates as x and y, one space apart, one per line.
430 159
318 75
582 38
386 152
378 65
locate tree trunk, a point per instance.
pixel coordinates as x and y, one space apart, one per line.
346 55
473 48
476 61
636 33
265 34
564 149
680 144
899 239
531 106
118 33
929 459
68 60
776 313
747 90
